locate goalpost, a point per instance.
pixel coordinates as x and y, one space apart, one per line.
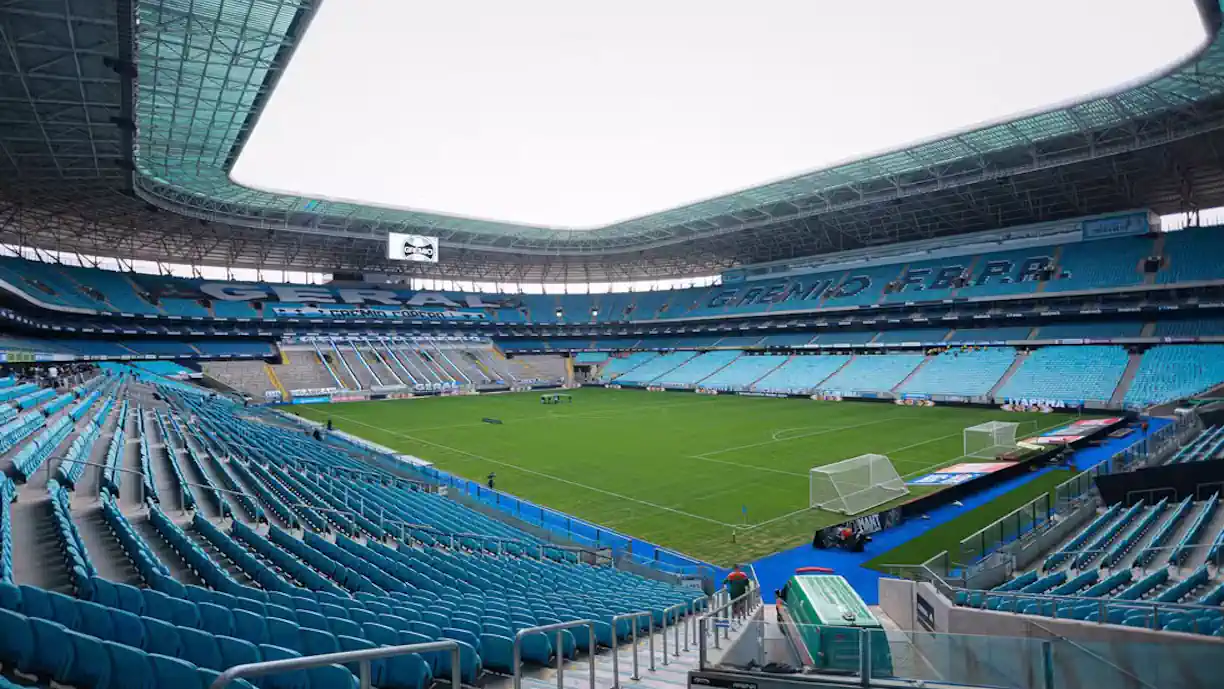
855 485
989 440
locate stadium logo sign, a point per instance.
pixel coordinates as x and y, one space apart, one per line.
953 275
412 247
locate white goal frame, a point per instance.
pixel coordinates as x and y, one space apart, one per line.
853 486
988 440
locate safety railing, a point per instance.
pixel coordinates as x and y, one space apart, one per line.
672 613
632 618
560 649
720 618
363 659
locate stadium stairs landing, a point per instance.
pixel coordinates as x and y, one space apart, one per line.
773 570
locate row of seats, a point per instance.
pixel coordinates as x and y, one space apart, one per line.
33 453
697 369
656 367
34 399
967 373
20 428
1069 373
1207 445
741 373
801 374
72 468
1073 267
1173 372
874 373
8 492
58 404
112 477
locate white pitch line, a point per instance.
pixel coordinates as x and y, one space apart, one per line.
835 429
740 465
535 473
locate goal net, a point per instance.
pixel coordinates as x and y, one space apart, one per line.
990 439
855 485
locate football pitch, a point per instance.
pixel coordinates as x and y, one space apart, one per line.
720 478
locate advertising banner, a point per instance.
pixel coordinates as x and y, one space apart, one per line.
342 312
959 473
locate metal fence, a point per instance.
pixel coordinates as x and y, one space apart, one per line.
572 528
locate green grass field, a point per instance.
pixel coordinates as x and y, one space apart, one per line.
675 469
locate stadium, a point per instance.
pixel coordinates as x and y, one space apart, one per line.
946 414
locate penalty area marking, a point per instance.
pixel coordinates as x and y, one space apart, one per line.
533 472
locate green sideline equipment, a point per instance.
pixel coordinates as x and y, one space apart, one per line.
825 621
855 485
991 439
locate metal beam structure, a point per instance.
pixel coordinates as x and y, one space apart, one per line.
120 120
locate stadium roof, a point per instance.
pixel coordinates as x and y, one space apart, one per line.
122 118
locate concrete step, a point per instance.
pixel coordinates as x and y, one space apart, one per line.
1132 367
214 553
37 558
105 552
1011 371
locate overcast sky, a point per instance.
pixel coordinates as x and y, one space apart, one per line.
577 114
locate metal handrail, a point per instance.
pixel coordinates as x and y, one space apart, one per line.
362 657
560 649
725 611
672 611
632 617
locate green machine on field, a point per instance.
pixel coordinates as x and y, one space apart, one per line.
825 621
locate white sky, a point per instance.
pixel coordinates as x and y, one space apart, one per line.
577 114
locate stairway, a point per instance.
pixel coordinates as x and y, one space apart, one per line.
105 552
913 373
672 674
752 385
1011 370
163 551
839 370
275 380
1132 367
37 559
720 368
